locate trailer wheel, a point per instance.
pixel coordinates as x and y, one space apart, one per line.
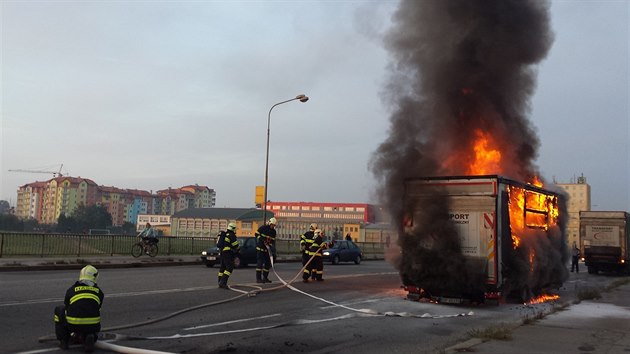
592 270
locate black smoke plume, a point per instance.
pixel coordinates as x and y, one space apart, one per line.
458 67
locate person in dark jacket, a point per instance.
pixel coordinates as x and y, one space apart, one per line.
228 246
265 237
316 268
306 240
575 258
80 317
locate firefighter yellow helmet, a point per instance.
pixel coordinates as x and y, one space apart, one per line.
273 221
313 226
88 273
232 226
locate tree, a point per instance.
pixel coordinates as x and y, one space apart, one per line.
129 228
10 222
66 224
4 207
92 217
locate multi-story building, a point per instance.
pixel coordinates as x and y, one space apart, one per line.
579 200
208 222
46 201
30 201
336 220
64 195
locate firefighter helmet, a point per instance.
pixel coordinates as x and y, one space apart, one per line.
313 226
317 232
88 273
231 226
273 221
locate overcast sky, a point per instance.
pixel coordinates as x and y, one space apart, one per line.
150 95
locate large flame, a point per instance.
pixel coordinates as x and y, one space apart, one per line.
487 157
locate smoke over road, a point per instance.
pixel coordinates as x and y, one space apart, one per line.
462 75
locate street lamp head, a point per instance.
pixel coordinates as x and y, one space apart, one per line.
302 98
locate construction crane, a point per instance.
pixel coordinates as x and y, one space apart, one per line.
54 173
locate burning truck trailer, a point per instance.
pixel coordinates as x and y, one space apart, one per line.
482 239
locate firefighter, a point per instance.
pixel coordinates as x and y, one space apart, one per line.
265 236
316 268
229 247
80 317
306 240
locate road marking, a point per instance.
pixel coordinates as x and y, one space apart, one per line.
135 293
231 322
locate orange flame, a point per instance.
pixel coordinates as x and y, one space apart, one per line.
543 298
487 158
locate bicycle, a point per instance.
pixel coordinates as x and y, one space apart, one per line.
142 246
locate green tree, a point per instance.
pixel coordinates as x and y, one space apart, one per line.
4 207
66 224
92 217
9 222
129 228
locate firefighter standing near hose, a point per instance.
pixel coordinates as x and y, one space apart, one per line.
229 247
306 240
80 317
316 268
265 237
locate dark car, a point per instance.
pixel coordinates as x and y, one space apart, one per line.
343 251
245 256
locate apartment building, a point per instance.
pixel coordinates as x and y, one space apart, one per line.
46 201
579 193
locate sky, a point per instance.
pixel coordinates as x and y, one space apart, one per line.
156 94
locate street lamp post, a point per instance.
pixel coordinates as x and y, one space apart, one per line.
301 98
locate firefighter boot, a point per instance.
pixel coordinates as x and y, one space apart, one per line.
219 280
223 282
88 344
266 278
258 277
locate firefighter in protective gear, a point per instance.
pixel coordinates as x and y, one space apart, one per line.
306 240
265 236
316 268
228 247
80 317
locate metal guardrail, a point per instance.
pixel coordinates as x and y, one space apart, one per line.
55 245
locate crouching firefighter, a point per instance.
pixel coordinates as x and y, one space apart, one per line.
265 238
80 317
229 247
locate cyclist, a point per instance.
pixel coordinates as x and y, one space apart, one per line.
148 235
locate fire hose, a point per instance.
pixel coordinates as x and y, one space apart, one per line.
243 293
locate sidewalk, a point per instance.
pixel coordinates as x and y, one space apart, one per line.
594 326
69 262
8 264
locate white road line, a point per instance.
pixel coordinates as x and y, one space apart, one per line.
230 322
136 293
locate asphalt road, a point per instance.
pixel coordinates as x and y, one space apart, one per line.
358 308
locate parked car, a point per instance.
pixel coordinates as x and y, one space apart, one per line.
343 251
245 256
